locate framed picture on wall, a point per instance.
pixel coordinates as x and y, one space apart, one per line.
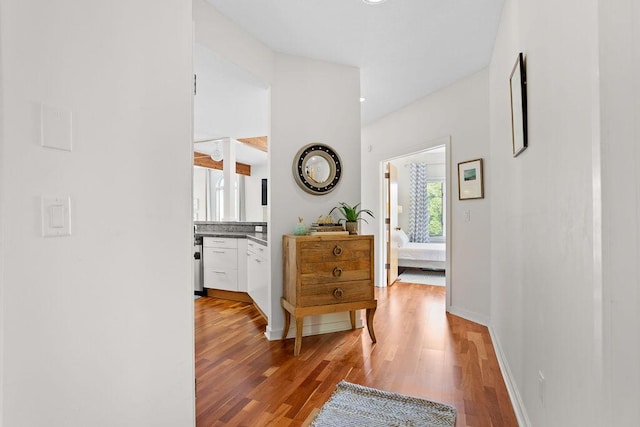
518 87
470 180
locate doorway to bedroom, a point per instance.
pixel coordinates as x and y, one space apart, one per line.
417 227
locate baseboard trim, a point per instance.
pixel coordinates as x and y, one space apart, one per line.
273 334
512 388
469 315
317 325
230 295
264 316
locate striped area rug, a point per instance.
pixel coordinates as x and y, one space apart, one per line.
354 405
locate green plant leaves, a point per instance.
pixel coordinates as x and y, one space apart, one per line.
351 213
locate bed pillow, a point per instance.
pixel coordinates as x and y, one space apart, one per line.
401 238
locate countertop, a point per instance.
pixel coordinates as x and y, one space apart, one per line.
254 236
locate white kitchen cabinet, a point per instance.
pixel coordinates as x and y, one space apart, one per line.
242 265
220 263
258 275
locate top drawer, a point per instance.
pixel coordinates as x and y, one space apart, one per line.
331 251
220 242
256 248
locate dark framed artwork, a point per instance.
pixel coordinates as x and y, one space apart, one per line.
470 180
518 88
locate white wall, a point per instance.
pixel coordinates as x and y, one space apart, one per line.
2 214
223 37
215 34
619 37
98 327
253 192
461 112
312 101
228 100
545 308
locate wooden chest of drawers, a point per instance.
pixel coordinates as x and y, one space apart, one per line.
327 274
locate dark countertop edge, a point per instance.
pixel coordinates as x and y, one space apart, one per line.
254 236
260 240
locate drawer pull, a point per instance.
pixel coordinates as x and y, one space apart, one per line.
337 272
337 251
338 292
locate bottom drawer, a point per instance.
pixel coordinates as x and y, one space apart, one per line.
335 293
220 279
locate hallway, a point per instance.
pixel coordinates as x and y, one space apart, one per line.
243 379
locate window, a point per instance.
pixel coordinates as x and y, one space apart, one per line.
435 195
219 198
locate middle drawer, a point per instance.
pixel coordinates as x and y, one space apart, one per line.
329 272
220 258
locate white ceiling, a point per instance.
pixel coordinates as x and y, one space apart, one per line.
229 102
406 49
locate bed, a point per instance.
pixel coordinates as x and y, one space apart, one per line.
430 256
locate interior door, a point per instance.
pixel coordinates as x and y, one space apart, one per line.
391 221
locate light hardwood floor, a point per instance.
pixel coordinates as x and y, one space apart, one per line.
244 380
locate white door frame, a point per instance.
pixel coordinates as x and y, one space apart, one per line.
380 234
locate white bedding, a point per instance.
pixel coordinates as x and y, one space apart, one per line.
422 252
430 256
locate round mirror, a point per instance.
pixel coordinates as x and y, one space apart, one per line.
317 168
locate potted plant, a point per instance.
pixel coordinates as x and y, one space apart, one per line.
351 215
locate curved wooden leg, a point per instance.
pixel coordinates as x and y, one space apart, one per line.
287 323
352 317
370 313
298 343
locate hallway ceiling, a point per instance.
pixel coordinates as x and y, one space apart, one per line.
406 49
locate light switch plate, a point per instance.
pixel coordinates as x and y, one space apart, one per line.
56 216
55 127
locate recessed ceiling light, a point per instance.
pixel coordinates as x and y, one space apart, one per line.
362 99
374 1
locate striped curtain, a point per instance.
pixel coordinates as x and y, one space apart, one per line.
418 203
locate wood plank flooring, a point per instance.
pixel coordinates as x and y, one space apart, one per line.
244 380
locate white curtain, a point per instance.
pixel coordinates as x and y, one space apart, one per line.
418 203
